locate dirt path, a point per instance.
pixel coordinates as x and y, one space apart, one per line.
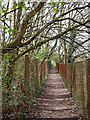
56 101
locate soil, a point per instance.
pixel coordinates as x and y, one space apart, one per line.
56 101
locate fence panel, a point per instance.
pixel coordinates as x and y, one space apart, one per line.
77 79
88 87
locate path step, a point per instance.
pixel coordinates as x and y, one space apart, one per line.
53 114
57 105
52 96
56 101
56 90
62 99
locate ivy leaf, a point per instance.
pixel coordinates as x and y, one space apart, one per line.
34 13
24 7
53 3
0 9
4 11
50 3
10 30
4 18
56 9
26 97
5 28
19 4
17 103
62 3
29 102
16 30
21 8
15 5
10 18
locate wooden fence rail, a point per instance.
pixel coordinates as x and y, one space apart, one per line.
77 79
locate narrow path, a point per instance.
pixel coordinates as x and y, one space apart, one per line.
56 101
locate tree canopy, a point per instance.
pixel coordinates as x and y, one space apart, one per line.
27 26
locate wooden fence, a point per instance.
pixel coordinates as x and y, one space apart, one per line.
77 79
27 87
40 71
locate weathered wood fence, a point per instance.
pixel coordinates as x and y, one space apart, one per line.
41 70
77 79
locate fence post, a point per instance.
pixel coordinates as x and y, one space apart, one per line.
74 80
56 65
27 75
45 68
88 87
39 73
36 77
59 68
43 71
36 69
71 77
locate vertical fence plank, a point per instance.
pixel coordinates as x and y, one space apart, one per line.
36 76
74 80
43 71
36 69
27 75
45 68
39 73
88 87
